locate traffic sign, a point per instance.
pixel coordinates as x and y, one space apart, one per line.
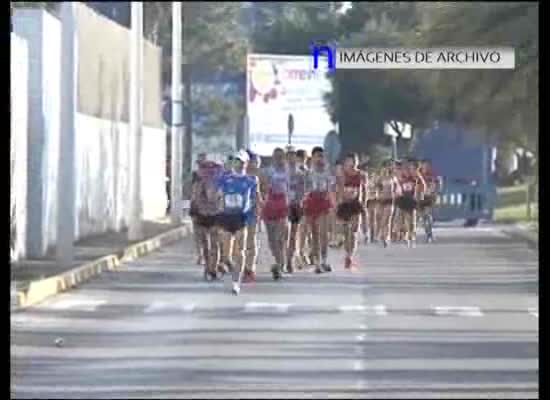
404 130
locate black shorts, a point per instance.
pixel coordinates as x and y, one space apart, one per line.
295 214
206 221
231 222
372 203
348 209
406 203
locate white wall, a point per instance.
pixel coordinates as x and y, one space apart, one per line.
18 144
103 168
102 150
42 32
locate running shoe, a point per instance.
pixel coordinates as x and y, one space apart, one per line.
221 269
326 267
236 288
318 269
276 272
249 276
210 275
347 263
289 268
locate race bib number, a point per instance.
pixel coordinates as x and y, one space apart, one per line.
320 186
233 200
351 191
291 195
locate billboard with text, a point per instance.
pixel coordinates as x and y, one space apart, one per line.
279 85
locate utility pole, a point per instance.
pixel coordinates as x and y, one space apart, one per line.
290 124
66 213
394 146
135 230
175 129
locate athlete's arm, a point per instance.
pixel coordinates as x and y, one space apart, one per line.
363 188
264 183
331 185
308 184
259 197
420 187
394 187
339 178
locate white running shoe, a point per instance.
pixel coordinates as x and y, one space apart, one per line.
236 288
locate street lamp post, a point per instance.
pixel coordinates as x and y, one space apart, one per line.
175 129
290 128
135 229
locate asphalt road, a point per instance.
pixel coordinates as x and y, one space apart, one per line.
454 319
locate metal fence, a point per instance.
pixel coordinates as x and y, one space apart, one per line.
465 201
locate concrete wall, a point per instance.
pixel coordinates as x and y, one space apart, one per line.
103 175
42 32
19 62
102 145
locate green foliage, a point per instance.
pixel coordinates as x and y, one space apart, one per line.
502 104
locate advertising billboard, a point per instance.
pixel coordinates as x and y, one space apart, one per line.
280 85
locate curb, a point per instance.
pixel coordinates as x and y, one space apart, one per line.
39 290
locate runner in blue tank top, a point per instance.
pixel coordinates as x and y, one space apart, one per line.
238 191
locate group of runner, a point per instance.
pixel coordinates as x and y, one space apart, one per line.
302 202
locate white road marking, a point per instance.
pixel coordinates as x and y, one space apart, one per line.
534 312
162 305
459 311
157 305
83 305
378 309
255 307
188 307
358 365
360 338
361 385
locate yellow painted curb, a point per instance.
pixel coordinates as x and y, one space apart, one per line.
39 290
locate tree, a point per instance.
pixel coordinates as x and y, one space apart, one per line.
213 41
291 28
502 104
363 100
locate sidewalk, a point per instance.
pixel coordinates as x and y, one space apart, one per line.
94 254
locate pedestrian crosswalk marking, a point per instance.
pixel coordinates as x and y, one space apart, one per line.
459 311
162 305
83 305
254 307
360 338
378 309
